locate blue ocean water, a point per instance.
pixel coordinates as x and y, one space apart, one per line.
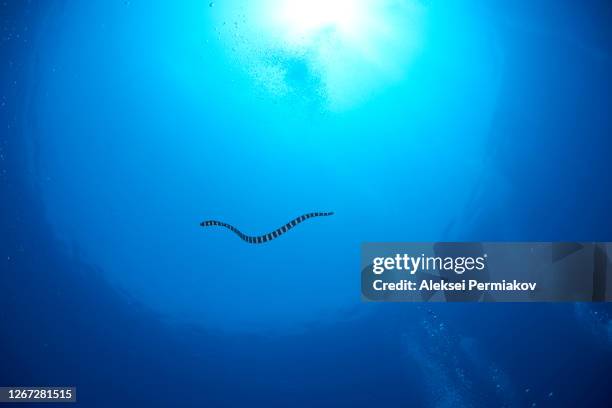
127 123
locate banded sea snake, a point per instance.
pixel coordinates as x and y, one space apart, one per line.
267 237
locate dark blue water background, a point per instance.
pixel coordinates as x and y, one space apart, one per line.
126 123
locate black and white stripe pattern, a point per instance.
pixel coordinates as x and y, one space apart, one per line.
267 237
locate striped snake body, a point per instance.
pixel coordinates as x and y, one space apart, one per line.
267 237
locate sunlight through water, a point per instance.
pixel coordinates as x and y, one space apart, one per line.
349 49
